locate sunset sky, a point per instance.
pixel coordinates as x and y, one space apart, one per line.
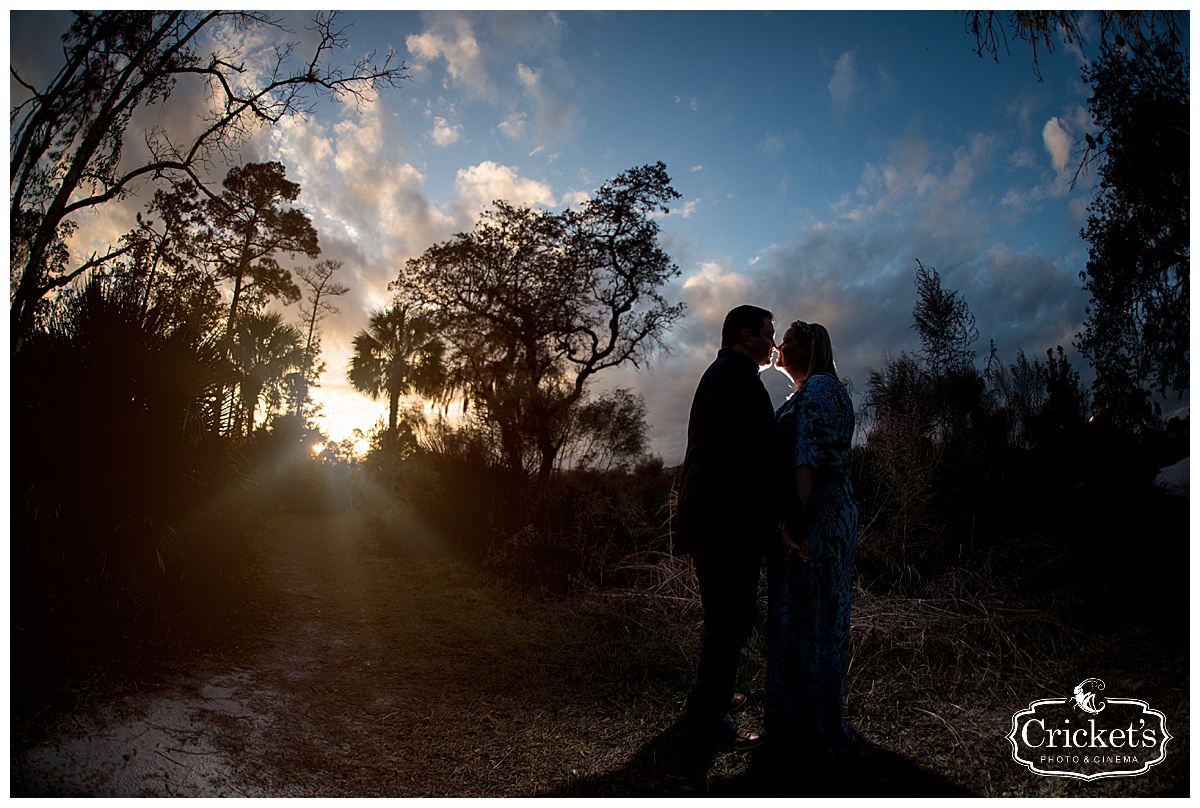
819 155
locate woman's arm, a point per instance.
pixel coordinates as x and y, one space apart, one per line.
803 485
805 477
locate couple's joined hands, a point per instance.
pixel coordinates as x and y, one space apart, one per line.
791 550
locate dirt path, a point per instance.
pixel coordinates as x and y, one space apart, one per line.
371 676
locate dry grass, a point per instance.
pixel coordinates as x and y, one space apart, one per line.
937 680
379 673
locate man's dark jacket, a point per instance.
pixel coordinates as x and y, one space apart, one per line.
733 473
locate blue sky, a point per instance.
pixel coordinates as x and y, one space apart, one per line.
818 155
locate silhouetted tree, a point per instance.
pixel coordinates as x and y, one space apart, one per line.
318 279
1042 402
162 262
1066 408
1020 392
536 304
1137 330
944 323
607 431
932 425
67 145
1122 403
400 352
264 351
243 230
900 410
1043 29
1137 275
240 233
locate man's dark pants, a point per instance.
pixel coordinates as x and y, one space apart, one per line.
729 580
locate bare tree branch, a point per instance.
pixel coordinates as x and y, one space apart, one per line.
67 140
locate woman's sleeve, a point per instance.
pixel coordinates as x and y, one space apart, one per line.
820 423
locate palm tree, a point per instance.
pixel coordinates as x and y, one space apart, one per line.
400 352
265 351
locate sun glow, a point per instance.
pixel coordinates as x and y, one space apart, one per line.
349 415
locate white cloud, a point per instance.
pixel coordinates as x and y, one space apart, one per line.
708 293
915 182
363 199
969 163
450 36
513 127
1058 143
887 84
683 211
359 142
478 186
573 199
537 93
443 133
528 77
907 174
773 145
1077 211
1015 200
844 83
554 115
1080 120
1022 109
1022 158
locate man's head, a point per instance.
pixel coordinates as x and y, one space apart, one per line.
751 331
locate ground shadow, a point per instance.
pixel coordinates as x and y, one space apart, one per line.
671 764
869 771
675 764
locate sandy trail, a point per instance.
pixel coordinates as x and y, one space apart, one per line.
367 671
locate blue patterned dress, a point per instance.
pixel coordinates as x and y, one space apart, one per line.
808 623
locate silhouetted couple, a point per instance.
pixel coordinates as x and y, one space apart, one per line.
776 485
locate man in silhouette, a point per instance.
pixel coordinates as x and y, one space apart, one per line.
727 512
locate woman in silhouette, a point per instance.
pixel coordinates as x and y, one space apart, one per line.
809 577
